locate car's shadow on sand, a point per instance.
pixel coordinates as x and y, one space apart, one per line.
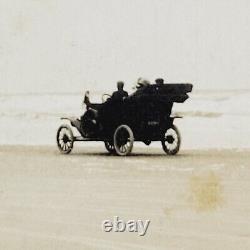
132 155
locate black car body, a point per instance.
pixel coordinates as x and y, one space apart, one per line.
146 114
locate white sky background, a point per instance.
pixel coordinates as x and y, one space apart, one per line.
70 46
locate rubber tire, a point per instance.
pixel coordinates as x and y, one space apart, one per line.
65 126
131 135
110 148
176 150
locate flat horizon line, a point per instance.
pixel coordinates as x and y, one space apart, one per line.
103 91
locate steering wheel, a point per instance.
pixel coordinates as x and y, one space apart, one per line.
105 97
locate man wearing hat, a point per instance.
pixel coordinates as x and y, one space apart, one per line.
120 94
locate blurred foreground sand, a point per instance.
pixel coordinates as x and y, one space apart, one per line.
195 200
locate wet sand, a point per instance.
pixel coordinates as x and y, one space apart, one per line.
195 200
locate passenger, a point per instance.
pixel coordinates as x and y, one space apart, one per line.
159 81
120 94
86 99
142 83
140 86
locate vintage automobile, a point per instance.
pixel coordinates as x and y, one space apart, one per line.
143 116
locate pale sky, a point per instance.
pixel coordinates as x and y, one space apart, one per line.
69 46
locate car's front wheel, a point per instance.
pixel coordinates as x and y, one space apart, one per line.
123 140
65 139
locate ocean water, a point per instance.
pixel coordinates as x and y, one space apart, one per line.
212 119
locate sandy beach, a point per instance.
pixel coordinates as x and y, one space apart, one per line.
53 52
195 200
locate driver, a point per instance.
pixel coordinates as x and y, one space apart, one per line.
120 94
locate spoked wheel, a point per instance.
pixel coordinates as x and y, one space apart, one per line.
109 146
172 141
123 140
65 139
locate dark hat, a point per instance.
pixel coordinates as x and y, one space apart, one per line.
159 81
120 84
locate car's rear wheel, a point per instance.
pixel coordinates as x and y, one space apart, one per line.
172 141
65 139
123 140
109 146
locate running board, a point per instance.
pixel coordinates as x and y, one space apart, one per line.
80 138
